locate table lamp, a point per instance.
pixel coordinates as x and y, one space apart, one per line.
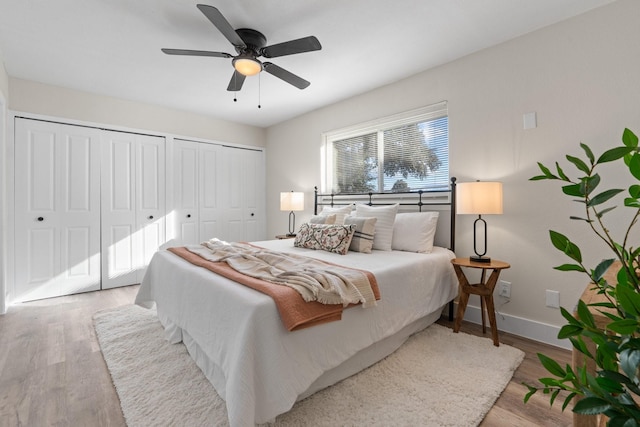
292 201
479 198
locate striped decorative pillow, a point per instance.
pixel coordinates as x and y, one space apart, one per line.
362 240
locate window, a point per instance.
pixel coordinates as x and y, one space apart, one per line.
406 152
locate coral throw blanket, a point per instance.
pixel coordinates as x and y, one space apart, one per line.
295 312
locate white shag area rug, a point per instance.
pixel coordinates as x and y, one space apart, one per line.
437 378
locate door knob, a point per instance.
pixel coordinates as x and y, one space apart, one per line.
252 214
188 215
40 219
150 216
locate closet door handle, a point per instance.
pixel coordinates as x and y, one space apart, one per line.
188 215
40 219
150 216
252 214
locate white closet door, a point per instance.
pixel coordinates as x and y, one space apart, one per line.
121 250
254 196
244 207
133 205
186 193
150 197
57 209
233 183
209 194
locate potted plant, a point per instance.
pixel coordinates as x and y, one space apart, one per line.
614 387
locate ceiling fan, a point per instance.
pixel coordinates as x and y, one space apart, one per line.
250 44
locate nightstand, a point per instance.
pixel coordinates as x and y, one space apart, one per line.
484 289
285 236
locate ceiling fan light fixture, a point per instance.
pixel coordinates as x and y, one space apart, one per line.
247 66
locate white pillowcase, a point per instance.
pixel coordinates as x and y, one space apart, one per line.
414 231
339 211
323 219
386 216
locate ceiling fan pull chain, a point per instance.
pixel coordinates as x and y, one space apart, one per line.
235 78
259 87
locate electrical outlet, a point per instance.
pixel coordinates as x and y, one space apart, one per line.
505 289
553 298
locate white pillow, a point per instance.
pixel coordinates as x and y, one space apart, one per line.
386 216
323 219
340 211
362 240
414 232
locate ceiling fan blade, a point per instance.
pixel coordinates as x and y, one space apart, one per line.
236 82
285 75
196 53
222 25
305 44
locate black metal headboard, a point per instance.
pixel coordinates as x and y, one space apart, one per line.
418 198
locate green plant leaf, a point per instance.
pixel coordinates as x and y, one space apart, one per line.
590 183
631 202
610 385
614 154
561 173
572 320
551 365
623 327
629 138
634 191
570 267
601 269
628 299
569 331
603 197
579 164
588 152
585 315
573 190
634 165
546 173
561 242
568 400
577 218
629 361
604 211
591 406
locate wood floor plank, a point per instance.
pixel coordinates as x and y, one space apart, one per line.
52 371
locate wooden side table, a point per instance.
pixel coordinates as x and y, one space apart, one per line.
484 289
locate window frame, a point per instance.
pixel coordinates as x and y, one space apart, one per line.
378 126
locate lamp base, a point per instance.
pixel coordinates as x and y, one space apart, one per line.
484 259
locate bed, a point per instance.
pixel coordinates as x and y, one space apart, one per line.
236 336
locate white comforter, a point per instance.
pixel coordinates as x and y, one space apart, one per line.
263 368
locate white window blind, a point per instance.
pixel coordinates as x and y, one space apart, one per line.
405 152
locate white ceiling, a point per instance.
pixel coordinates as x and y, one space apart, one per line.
112 47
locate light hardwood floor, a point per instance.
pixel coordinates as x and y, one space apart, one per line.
52 372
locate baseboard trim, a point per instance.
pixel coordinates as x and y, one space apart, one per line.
527 328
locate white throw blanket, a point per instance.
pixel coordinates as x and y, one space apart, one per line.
313 279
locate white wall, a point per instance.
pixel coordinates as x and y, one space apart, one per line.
579 76
38 98
4 91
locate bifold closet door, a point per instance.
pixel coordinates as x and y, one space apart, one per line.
57 209
196 170
133 207
243 173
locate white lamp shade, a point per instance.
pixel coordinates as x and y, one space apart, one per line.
479 198
292 201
